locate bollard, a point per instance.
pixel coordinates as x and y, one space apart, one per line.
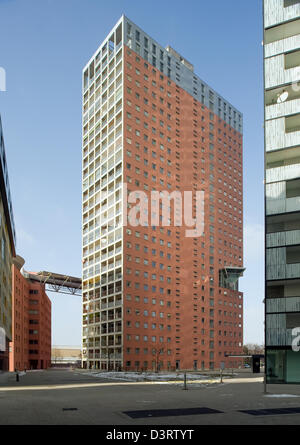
17 376
184 384
265 384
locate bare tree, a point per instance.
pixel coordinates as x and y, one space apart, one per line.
252 348
157 353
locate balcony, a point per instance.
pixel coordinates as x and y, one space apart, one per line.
283 263
278 337
283 197
289 43
283 173
116 356
276 74
278 15
287 108
279 134
118 47
279 239
286 304
118 108
283 271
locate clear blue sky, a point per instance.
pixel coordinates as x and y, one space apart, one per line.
43 48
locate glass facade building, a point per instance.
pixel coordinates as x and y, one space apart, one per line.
7 252
282 188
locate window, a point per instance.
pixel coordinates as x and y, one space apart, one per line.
33 342
292 123
288 3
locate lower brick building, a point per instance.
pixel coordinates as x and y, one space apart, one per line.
30 347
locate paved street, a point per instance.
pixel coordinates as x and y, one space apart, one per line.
66 397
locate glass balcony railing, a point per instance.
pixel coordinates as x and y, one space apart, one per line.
278 337
291 237
282 205
287 304
118 47
282 173
282 271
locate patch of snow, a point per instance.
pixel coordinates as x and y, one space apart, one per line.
34 370
281 395
148 376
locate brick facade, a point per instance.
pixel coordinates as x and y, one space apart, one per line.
31 345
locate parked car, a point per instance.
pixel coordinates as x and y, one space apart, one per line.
246 365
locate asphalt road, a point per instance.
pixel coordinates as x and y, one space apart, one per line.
66 397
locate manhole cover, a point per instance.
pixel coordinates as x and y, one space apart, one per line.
170 412
271 411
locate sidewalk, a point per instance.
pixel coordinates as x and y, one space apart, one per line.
5 376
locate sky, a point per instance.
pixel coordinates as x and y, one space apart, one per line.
44 46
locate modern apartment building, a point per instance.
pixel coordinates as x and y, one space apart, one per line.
282 187
30 347
7 240
153 297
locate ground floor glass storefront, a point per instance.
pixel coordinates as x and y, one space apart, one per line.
282 366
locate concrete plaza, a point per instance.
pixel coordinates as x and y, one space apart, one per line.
74 397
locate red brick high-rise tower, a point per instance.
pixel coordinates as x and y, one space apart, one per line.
153 297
